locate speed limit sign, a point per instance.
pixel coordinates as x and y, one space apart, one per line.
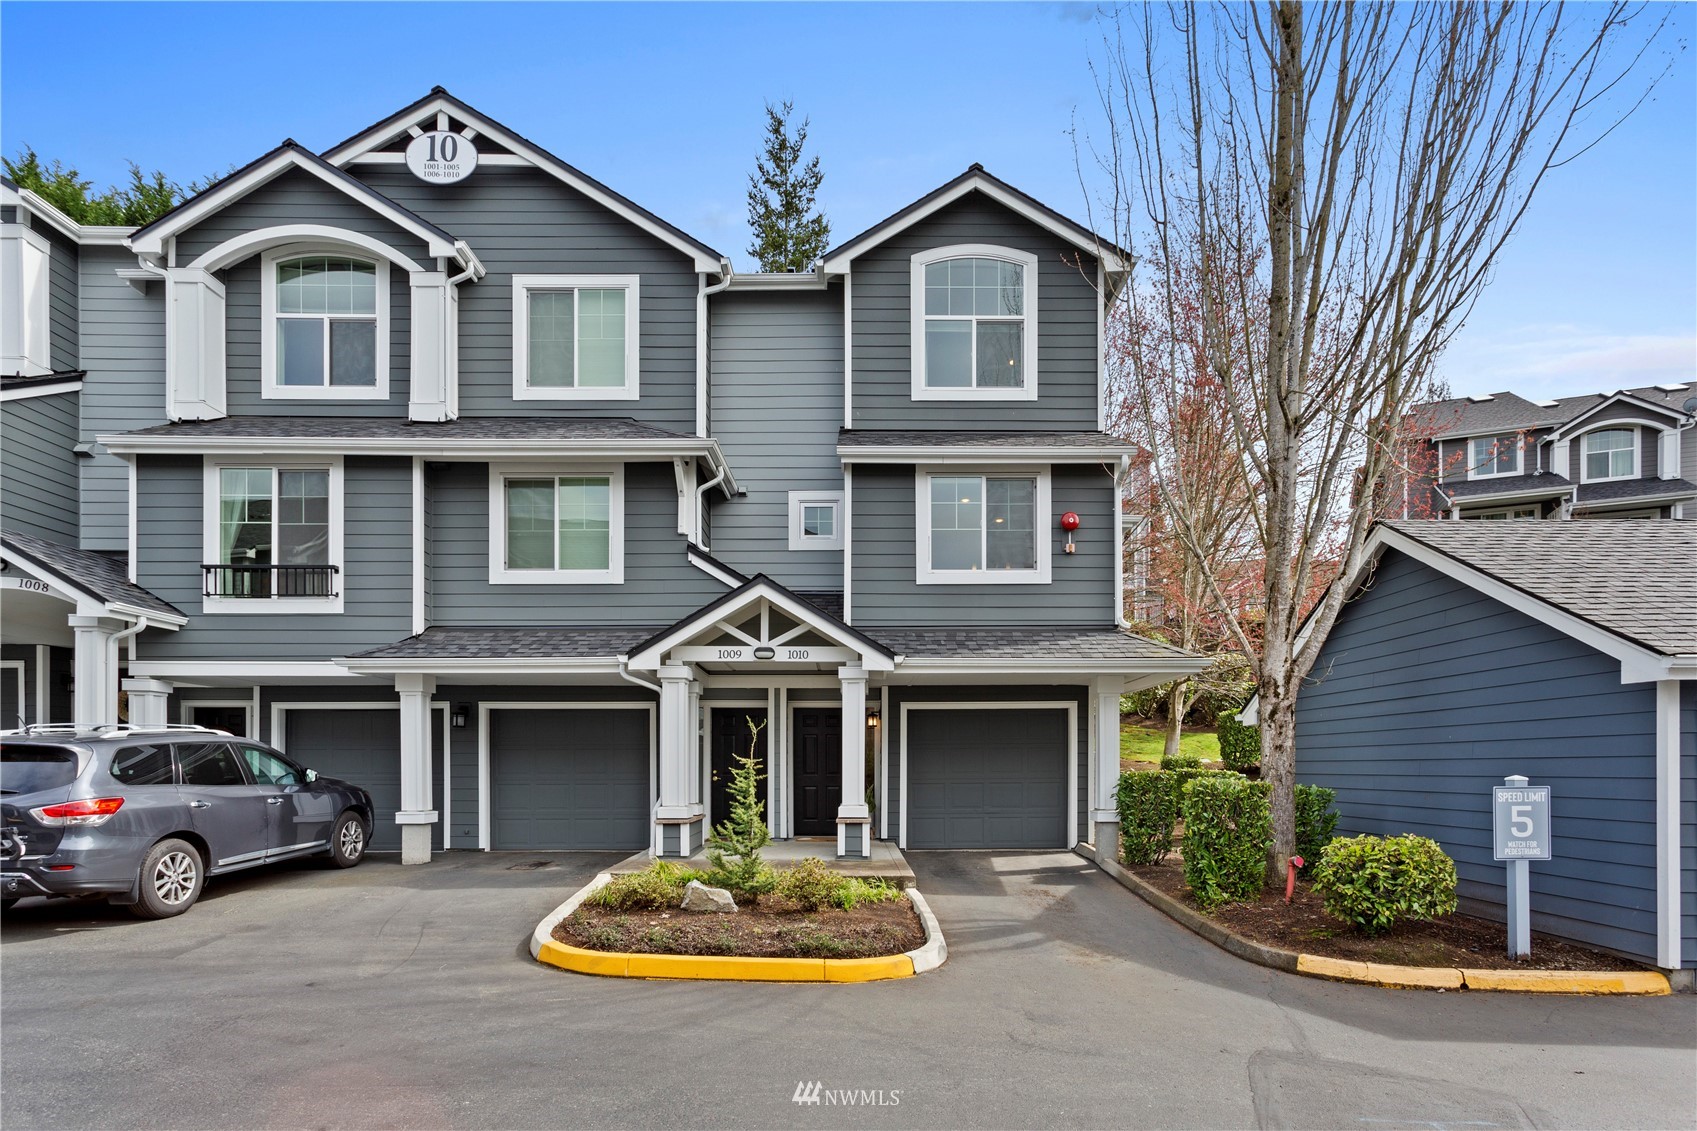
1522 822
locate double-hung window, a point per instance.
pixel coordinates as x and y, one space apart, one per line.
325 332
974 323
273 537
575 337
1489 456
1611 453
982 528
556 525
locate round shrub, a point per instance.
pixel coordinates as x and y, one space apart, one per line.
1373 882
810 885
1181 761
1148 808
1228 831
1240 744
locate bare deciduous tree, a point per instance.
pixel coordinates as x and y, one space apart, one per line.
1348 175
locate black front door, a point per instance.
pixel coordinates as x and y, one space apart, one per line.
818 770
732 739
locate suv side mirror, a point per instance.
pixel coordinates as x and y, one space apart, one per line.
312 775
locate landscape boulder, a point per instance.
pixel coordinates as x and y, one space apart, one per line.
699 897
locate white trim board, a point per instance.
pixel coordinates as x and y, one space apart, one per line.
522 288
22 701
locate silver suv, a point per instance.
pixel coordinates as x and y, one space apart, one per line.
143 815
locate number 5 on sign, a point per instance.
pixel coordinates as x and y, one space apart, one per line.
1522 822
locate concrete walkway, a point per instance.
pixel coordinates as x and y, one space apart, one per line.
885 863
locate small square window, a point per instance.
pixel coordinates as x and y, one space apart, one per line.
816 520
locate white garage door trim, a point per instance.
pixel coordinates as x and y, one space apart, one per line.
280 735
483 782
1071 709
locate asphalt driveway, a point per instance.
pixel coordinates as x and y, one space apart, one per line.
404 997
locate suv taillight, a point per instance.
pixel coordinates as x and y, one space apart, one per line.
94 811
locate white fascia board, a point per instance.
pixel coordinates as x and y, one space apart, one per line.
940 454
370 139
1510 496
977 183
154 618
1621 397
714 571
789 281
26 392
88 602
81 234
1629 503
649 658
1637 664
237 671
493 665
481 449
153 241
1163 670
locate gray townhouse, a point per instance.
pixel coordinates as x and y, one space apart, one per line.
1631 453
451 471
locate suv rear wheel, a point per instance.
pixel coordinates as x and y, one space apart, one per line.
348 840
171 878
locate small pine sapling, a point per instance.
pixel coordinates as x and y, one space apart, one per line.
734 848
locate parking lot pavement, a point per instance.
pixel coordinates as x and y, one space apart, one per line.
404 997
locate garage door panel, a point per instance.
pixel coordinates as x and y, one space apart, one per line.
568 779
358 746
987 779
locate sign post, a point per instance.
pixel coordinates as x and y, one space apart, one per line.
1521 821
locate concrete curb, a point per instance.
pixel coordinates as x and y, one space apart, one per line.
1637 982
612 964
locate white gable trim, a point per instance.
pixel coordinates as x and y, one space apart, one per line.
151 241
977 182
650 658
1568 428
237 248
703 257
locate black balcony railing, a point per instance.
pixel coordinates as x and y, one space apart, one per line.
242 581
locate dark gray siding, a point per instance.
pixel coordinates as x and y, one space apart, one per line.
64 347
38 468
123 350
296 197
524 221
777 403
376 579
1036 693
882 582
1688 823
1427 693
660 585
1066 339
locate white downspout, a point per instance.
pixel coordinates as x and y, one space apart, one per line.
701 294
624 673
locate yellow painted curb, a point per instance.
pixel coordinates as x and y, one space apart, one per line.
708 967
1379 973
868 969
1569 981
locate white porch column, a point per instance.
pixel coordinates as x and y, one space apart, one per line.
148 698
95 669
417 813
678 815
854 818
1105 766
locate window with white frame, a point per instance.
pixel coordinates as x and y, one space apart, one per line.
325 326
974 323
816 520
1610 453
575 337
1490 456
273 536
552 525
982 528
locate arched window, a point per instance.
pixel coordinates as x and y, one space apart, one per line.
975 323
326 321
1611 453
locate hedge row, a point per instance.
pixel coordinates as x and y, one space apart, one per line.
1240 744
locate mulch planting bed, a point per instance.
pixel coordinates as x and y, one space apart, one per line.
1303 926
770 929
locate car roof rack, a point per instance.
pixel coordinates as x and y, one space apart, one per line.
104 730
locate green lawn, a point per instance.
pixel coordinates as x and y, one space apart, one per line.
1144 744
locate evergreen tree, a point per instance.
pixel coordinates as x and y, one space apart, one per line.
790 232
147 197
733 850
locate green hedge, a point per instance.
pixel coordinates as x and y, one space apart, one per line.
1181 761
1375 882
1315 822
1240 745
1228 831
1148 805
1185 777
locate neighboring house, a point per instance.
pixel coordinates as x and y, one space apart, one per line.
1565 652
454 472
1627 454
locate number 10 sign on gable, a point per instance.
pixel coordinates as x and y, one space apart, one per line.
441 157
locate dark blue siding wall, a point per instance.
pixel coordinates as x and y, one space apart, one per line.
1427 693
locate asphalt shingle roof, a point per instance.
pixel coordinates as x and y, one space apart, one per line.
1633 489
95 574
562 642
1077 642
378 428
1505 485
1507 412
1637 580
884 437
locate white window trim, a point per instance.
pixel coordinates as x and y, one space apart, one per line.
499 574
269 389
925 575
524 284
1519 457
210 500
799 501
916 303
26 284
1637 450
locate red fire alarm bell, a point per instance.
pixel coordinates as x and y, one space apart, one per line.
1069 523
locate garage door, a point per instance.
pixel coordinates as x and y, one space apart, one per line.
568 779
362 747
987 779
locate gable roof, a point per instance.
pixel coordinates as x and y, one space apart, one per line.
1509 412
440 101
793 604
96 576
150 239
1115 259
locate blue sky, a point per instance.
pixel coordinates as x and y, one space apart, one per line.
663 102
